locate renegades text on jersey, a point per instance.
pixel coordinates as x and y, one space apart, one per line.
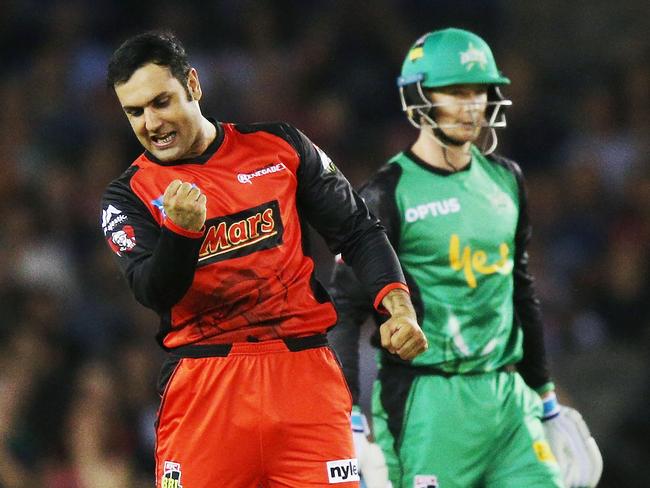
248 276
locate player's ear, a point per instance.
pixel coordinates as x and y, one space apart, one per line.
193 85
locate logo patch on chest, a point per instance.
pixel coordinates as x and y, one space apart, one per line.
432 209
266 170
242 233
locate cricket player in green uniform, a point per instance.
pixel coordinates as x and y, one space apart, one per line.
467 412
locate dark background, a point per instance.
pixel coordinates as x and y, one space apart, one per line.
78 360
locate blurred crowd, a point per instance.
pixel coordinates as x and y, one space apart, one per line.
78 359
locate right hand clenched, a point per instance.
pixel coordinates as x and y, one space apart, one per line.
185 205
402 335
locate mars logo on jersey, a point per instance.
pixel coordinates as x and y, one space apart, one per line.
171 477
242 233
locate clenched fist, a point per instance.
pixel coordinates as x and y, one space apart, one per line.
401 334
185 205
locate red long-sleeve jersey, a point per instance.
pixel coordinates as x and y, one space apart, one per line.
248 275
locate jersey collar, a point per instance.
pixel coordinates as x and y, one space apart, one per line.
434 169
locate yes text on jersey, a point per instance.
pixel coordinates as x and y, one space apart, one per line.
470 261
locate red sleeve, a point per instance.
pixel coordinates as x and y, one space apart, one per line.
383 292
184 232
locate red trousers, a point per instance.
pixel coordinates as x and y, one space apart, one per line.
262 416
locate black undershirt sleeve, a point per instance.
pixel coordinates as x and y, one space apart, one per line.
339 214
353 304
160 267
533 366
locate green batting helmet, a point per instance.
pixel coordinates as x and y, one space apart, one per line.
450 57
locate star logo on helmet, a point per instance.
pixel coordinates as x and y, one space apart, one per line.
473 57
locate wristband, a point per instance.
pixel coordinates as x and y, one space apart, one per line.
551 407
359 422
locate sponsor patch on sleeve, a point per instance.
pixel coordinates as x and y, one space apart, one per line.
112 217
119 235
543 452
122 240
325 160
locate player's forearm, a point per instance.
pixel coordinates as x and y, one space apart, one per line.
398 303
161 280
401 334
374 262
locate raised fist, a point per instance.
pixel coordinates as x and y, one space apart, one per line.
401 334
185 205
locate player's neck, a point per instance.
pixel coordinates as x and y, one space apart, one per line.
450 158
206 134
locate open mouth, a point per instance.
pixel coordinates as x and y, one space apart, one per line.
163 140
467 125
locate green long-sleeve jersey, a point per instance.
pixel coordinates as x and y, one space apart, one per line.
461 239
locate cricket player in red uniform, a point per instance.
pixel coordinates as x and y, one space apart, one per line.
209 228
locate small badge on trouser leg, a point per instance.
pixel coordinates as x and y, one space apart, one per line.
425 481
342 471
171 477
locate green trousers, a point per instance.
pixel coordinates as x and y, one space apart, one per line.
462 431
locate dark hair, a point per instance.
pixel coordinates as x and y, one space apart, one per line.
161 48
